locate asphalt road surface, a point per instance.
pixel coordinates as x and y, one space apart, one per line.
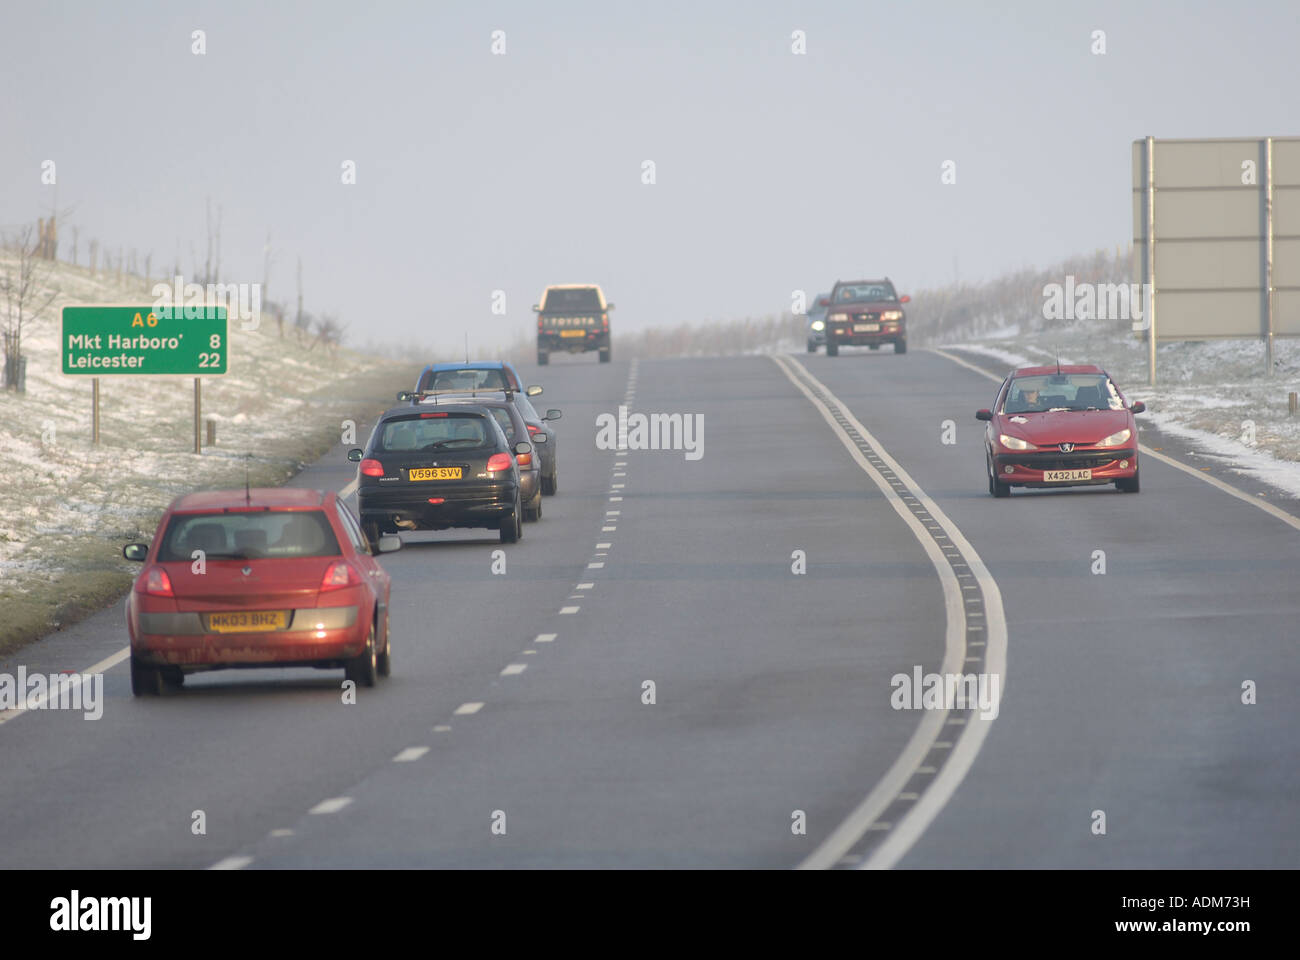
515 730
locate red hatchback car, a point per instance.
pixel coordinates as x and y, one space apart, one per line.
1060 426
257 578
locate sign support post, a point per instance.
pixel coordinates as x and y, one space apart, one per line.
1151 259
198 413
94 411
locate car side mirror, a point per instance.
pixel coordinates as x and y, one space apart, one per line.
136 551
609 306
403 396
389 542
533 391
983 414
355 455
553 414
904 299
523 446
537 308
824 302
1137 407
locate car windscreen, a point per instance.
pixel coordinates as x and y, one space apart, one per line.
463 380
424 432
585 300
1062 391
248 535
865 292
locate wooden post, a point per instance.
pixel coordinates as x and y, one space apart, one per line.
198 414
212 432
94 411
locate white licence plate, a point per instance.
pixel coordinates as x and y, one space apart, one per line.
866 327
1066 475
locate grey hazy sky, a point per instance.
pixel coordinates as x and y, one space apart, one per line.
479 172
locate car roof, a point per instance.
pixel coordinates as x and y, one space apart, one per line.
273 498
1052 368
484 398
573 286
470 365
854 283
406 409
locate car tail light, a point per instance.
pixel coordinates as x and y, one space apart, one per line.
524 459
157 583
372 468
426 416
539 324
498 462
338 575
533 431
604 320
436 500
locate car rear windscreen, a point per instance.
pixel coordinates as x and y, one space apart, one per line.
428 432
252 535
585 300
463 380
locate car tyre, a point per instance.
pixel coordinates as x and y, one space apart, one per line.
1131 484
371 531
384 661
900 346
364 667
812 346
604 354
533 512
874 346
146 680
832 349
543 358
551 483
511 528
996 487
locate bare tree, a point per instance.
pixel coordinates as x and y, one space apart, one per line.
23 286
329 332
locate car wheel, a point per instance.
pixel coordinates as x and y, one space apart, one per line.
812 346
996 486
1131 484
543 358
510 525
371 531
900 346
604 354
874 346
146 680
384 662
363 668
533 512
551 483
832 349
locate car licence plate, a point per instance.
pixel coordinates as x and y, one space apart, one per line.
866 327
248 621
573 333
1058 475
434 473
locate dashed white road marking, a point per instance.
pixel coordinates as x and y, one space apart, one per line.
567 610
231 863
467 708
596 566
442 728
603 546
584 586
544 638
513 669
613 513
281 832
409 754
615 499
332 805
608 529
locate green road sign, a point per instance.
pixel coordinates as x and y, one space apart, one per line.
99 341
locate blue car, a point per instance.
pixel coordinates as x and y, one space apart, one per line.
817 322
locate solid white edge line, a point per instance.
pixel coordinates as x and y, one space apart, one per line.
939 791
1290 519
231 863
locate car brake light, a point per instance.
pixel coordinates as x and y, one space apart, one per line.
436 500
157 583
426 416
539 323
524 459
498 462
532 430
372 468
604 320
338 575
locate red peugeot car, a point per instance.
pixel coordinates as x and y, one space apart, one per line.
257 578
1060 426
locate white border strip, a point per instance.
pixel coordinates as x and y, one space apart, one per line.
908 830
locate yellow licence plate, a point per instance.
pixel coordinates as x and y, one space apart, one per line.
248 621
434 473
573 333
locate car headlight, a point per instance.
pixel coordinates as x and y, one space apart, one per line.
819 325
1115 439
1015 443
838 317
892 315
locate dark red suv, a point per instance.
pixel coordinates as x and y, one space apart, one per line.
865 313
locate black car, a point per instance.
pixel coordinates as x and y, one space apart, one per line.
515 428
865 313
430 469
573 318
